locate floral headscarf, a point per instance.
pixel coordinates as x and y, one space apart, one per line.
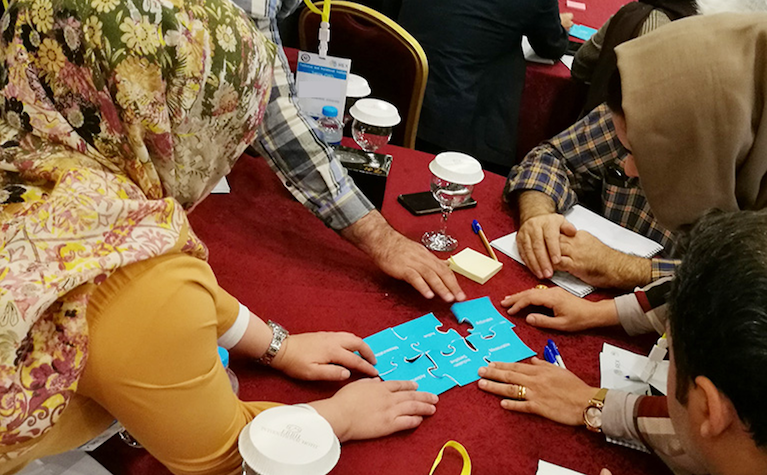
117 115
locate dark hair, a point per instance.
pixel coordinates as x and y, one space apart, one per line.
614 97
718 313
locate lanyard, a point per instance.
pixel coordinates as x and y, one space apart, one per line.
461 450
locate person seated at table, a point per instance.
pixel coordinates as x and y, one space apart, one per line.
477 70
698 143
584 164
594 63
117 118
709 422
684 166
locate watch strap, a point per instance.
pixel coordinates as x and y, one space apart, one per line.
279 334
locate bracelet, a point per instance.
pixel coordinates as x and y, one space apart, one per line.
279 334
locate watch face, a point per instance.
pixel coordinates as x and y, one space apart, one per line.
594 417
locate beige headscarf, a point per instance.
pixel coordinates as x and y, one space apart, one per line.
694 97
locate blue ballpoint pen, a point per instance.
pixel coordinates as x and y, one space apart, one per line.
555 352
549 355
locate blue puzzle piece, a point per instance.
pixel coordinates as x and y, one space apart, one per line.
388 348
418 370
504 346
421 334
437 361
458 361
481 314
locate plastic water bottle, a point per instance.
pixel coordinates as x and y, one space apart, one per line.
332 129
224 355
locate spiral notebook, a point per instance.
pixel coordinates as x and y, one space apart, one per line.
611 234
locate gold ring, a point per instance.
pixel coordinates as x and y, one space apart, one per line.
541 287
521 393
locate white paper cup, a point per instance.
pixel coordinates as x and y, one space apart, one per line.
289 440
457 167
375 112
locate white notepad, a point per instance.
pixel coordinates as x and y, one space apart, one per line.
611 234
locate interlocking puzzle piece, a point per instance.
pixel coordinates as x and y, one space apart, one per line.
421 334
437 361
419 370
481 314
388 348
503 346
458 362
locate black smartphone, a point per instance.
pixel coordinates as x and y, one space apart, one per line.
424 203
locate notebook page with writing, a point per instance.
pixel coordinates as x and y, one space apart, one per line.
609 233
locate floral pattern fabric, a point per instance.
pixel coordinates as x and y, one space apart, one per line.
116 116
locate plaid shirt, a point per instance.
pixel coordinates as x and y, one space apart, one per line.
288 137
585 164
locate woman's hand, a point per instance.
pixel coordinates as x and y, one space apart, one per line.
370 408
570 312
552 392
324 356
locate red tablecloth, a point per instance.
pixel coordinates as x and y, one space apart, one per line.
284 264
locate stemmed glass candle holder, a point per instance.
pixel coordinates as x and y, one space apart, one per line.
374 120
453 176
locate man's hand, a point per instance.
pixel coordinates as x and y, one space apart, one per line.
567 20
552 392
538 236
402 258
324 356
538 242
570 312
371 408
587 258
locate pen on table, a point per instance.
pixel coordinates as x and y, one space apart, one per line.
547 353
555 352
477 228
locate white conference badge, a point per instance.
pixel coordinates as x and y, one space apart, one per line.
321 82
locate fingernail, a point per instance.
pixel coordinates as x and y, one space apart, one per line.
449 297
345 374
429 295
491 365
461 296
435 398
548 273
482 383
530 319
482 371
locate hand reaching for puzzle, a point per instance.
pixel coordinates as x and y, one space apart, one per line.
571 313
552 392
324 356
371 408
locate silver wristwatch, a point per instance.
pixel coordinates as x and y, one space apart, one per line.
278 336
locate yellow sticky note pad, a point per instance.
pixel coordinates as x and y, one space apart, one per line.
474 265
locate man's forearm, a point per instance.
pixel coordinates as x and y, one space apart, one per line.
367 232
630 271
534 203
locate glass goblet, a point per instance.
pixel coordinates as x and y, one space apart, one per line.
448 195
454 175
374 120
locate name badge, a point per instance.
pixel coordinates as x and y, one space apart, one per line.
321 82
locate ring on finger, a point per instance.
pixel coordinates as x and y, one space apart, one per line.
521 393
541 287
